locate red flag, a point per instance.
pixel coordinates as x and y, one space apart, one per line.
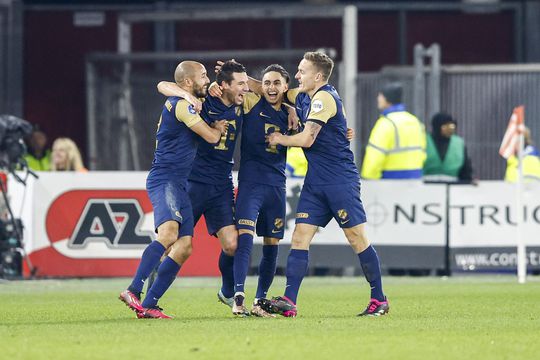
516 126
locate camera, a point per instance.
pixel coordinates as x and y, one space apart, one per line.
12 150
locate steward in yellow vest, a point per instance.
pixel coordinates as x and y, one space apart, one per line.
38 157
397 144
447 159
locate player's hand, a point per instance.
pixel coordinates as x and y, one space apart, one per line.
274 138
193 100
293 119
350 134
221 125
215 90
219 64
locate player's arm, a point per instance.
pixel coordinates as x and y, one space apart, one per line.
303 139
211 134
293 118
185 113
168 88
323 107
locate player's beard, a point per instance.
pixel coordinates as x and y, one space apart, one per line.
200 91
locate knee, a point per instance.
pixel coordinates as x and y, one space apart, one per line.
167 236
229 247
299 242
182 253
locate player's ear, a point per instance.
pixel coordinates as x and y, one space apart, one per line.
318 77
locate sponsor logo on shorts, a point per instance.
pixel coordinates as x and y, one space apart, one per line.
246 222
343 215
278 223
178 215
302 215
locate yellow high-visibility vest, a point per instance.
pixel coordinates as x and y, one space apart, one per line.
396 148
531 166
296 162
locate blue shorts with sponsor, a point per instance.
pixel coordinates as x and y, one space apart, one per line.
318 204
262 208
170 201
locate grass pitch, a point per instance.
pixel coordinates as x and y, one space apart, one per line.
430 318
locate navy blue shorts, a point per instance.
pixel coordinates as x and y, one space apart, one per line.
263 205
318 204
170 201
215 202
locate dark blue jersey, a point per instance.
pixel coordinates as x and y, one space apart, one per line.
213 162
330 159
176 144
259 162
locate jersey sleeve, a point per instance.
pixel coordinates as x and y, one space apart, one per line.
292 94
250 100
323 107
186 113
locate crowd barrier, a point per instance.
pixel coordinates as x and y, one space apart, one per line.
98 223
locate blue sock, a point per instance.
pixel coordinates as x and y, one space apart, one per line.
149 260
372 271
241 260
297 265
166 274
227 274
267 270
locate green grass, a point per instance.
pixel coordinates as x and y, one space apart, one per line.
430 318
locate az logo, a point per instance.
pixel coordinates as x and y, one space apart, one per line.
113 222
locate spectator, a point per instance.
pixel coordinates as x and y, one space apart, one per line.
66 156
38 157
531 162
447 159
396 147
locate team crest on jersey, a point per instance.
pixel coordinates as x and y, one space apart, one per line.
278 223
316 106
191 109
342 214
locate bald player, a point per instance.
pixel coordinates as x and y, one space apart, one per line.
178 132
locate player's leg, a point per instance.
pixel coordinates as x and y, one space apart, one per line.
166 218
312 212
351 217
270 225
267 271
248 202
370 264
228 238
196 197
167 271
219 216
